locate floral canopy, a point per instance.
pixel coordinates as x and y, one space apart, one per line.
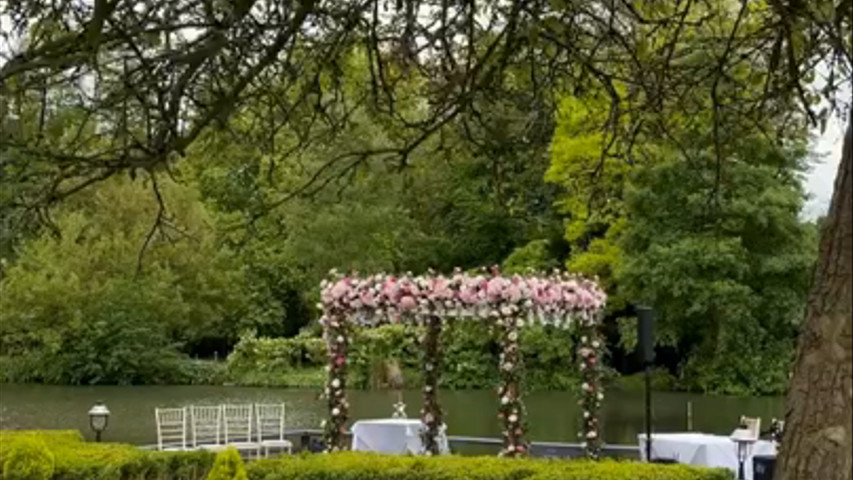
558 300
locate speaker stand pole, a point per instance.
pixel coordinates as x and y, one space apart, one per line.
648 412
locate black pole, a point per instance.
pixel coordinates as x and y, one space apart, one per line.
646 341
648 412
97 435
740 473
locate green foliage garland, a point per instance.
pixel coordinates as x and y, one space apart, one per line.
431 414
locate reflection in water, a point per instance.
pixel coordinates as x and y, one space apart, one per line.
552 416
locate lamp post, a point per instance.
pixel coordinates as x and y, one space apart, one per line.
744 438
646 342
99 417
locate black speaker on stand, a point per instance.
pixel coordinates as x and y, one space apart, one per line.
646 344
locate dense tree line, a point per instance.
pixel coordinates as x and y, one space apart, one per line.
215 253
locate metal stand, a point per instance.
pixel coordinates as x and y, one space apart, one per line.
648 412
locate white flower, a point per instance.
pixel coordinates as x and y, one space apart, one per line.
322 424
508 366
427 388
600 396
596 344
585 414
506 311
513 418
335 412
512 336
584 339
592 434
336 383
505 400
519 323
586 387
429 367
340 339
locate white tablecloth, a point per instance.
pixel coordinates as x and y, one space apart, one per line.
392 435
703 449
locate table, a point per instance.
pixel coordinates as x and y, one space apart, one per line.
392 435
703 449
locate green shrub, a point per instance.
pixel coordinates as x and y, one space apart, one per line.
28 459
469 356
350 466
200 372
661 379
228 466
74 459
269 355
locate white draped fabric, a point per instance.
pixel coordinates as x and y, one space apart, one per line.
703 449
391 435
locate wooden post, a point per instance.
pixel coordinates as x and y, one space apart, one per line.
689 416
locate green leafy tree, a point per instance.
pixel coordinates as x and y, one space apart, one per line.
111 299
729 279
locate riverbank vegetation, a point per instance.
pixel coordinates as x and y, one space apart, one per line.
47 455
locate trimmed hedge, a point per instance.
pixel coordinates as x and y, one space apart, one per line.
352 466
78 460
28 459
74 459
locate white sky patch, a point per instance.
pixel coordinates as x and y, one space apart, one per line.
821 177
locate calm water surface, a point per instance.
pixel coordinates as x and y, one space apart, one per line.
552 416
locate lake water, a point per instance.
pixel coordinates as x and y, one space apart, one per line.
552 416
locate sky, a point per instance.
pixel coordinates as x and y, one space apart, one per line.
821 177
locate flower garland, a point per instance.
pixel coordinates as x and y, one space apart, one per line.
431 414
592 392
559 300
337 338
511 409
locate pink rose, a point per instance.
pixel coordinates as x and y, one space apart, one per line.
408 303
339 289
513 293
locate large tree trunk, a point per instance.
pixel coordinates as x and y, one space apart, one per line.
818 420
